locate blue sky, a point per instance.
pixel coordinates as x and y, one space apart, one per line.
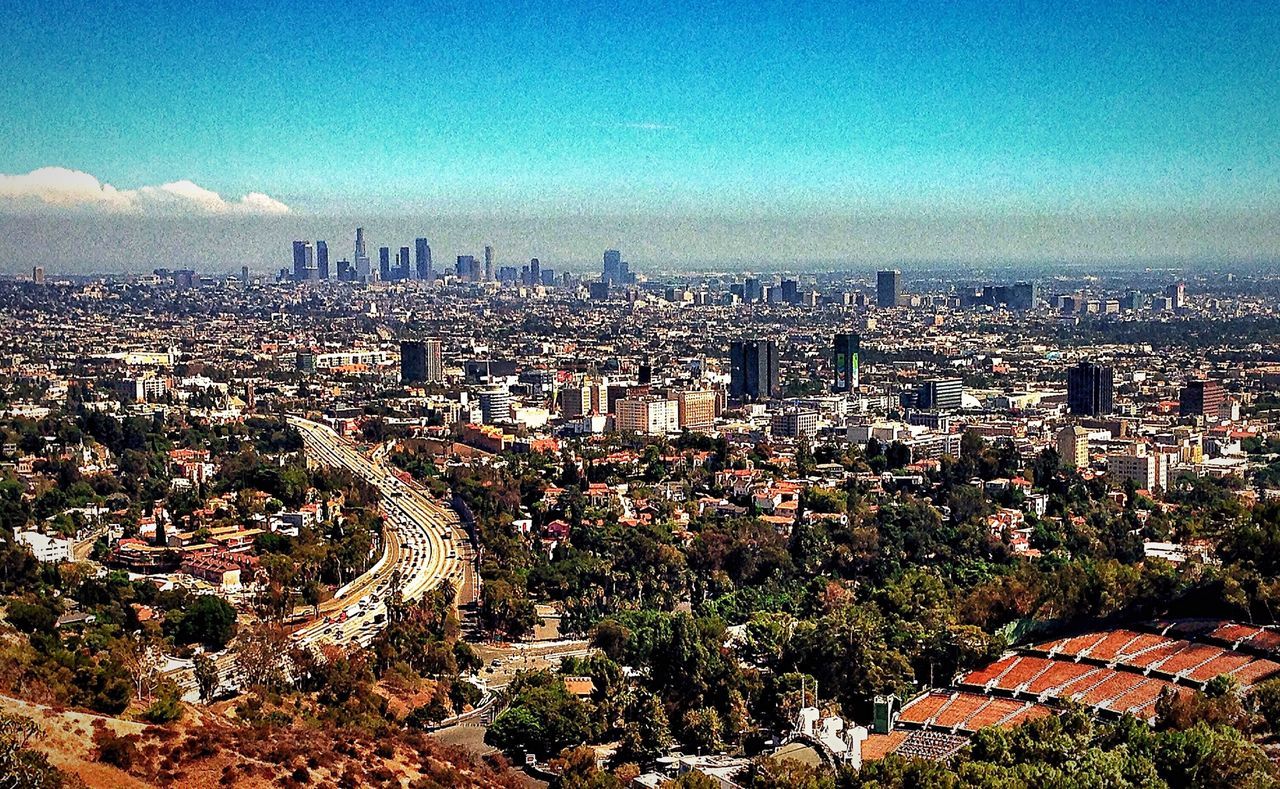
774 109
825 106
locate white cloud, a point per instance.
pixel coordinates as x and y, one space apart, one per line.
59 187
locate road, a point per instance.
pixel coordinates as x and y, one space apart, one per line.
425 544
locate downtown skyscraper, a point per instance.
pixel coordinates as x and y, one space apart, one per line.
422 259
361 256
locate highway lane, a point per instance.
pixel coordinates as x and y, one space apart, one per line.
425 545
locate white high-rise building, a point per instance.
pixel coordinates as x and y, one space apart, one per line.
651 415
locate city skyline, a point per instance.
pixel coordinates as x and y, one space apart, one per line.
825 134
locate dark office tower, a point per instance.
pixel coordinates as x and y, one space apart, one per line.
1177 293
1024 296
421 362
848 347
345 273
488 264
1089 389
361 257
753 369
384 263
612 267
1201 398
465 265
752 290
322 260
535 272
244 276
787 291
300 260
940 394
422 258
406 265
888 288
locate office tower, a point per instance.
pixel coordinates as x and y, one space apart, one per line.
1073 446
345 272
404 270
361 257
300 260
548 277
584 400
422 258
535 272
495 406
1024 296
787 292
421 361
1201 398
612 267
1089 389
940 394
696 409
753 369
322 260
752 290
244 276
1177 293
647 414
845 360
888 288
488 263
37 275
384 263
794 423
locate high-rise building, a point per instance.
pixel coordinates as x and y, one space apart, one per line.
888 288
465 265
488 263
1089 389
696 409
244 276
788 291
753 369
794 423
421 361
1177 293
384 263
322 260
612 267
1146 470
37 275
361 257
848 347
422 259
1024 296
1201 398
752 290
1073 446
535 272
495 406
404 264
300 252
940 394
584 400
647 414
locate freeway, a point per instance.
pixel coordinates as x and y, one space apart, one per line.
425 544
